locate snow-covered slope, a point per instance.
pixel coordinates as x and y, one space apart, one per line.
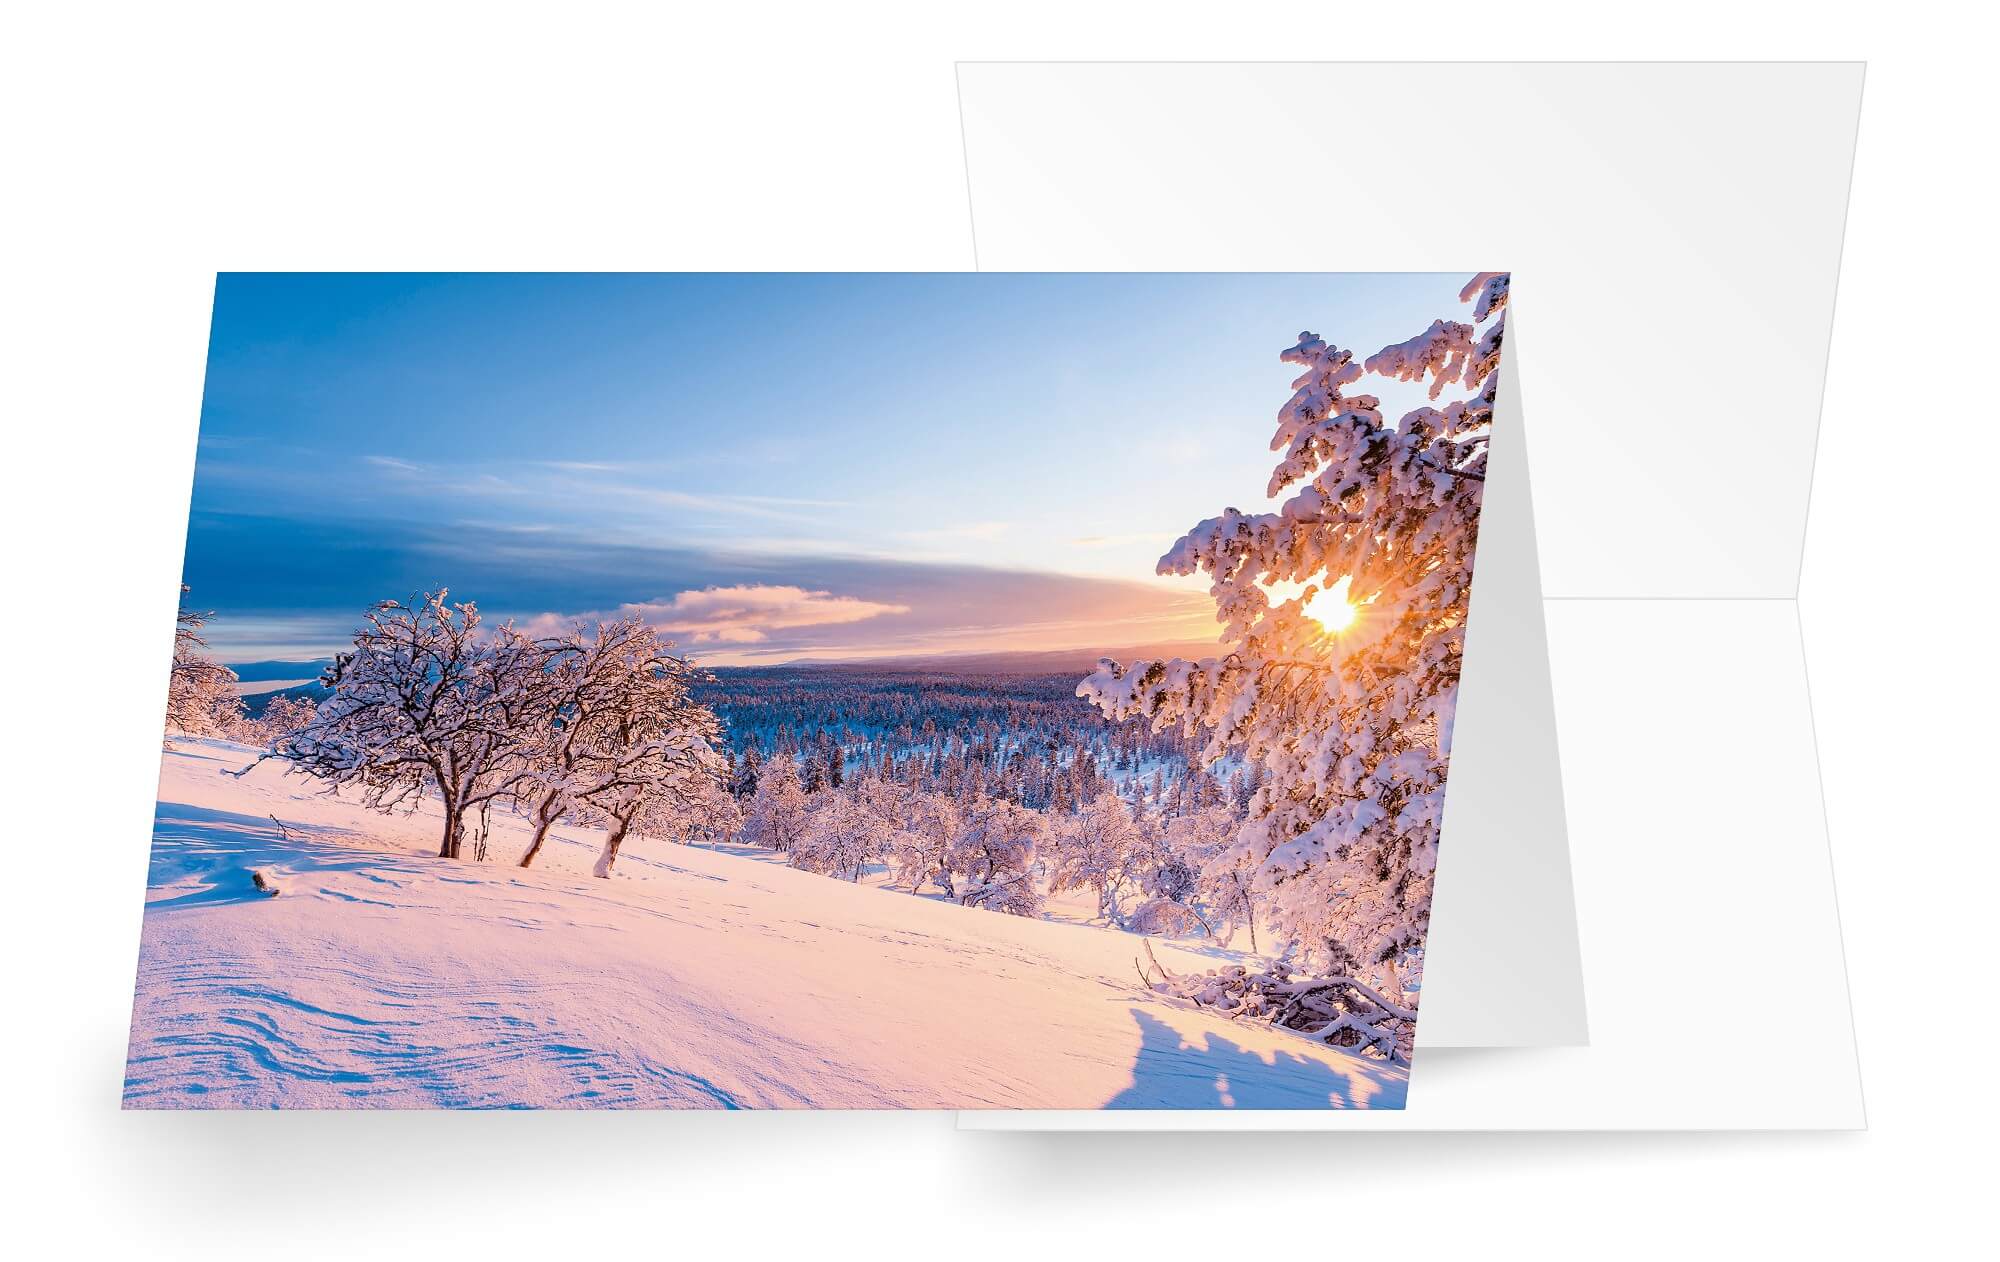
384 977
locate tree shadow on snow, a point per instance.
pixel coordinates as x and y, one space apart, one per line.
208 854
1206 1071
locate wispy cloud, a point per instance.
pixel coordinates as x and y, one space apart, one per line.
968 532
736 602
584 466
758 506
598 483
742 614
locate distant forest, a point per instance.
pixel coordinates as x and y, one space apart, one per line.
1026 738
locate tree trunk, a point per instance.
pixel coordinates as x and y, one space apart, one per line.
454 830
544 820
612 840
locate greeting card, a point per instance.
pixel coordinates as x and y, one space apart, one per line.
1027 691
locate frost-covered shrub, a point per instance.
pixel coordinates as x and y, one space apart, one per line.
1166 918
1015 894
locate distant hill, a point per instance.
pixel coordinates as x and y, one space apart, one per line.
258 682
254 702
262 672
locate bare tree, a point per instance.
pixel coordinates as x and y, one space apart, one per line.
424 703
617 734
644 745
574 684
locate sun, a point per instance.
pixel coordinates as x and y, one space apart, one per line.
1331 609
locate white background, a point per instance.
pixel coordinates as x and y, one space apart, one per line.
143 150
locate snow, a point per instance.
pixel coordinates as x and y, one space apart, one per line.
386 977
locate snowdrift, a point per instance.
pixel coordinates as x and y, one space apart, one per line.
385 977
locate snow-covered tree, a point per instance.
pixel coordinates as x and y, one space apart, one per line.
744 782
423 703
611 703
707 815
575 684
1226 878
920 847
777 814
1097 848
281 717
201 696
841 836
1196 881
991 861
648 745
1349 729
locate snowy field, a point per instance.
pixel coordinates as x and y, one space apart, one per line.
383 976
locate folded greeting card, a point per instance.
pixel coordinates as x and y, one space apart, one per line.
1661 734
1029 691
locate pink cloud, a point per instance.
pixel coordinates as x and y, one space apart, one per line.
744 614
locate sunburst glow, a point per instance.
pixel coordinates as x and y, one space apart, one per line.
1331 608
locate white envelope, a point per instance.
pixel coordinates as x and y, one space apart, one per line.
1674 237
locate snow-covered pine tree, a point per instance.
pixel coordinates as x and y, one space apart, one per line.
745 782
201 696
423 703
1168 873
1351 731
777 814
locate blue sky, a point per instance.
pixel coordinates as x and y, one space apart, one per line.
769 466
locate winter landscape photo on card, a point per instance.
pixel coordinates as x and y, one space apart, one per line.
814 691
